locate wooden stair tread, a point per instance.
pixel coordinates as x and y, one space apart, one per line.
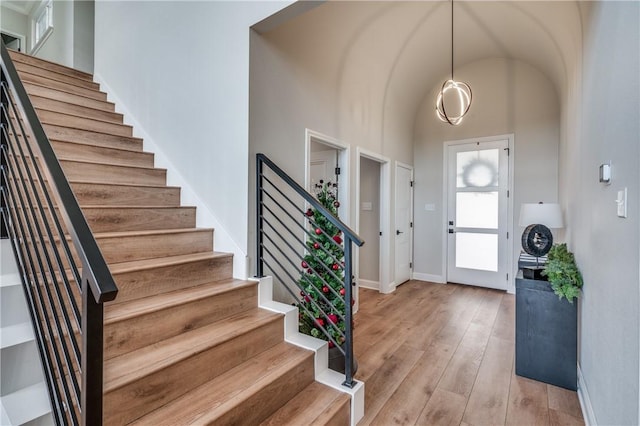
93 145
57 76
90 133
29 59
55 105
120 234
315 405
137 307
61 85
97 163
134 185
206 403
138 265
37 89
131 366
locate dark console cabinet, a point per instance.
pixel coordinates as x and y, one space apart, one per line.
546 335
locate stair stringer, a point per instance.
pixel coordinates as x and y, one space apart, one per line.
205 218
323 374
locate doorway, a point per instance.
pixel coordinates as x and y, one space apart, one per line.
404 223
328 161
369 224
13 41
477 192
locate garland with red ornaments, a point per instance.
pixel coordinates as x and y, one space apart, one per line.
322 277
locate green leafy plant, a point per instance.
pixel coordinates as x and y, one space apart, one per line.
563 273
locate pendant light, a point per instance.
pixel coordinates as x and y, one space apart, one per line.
453 90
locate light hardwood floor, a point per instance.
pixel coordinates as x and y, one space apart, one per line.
434 354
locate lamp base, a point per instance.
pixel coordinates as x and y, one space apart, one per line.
534 273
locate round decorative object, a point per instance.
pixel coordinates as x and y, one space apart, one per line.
480 173
457 94
537 240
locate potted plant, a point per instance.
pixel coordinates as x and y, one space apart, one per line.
322 306
563 273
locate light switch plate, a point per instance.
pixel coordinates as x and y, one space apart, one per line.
367 205
430 207
622 203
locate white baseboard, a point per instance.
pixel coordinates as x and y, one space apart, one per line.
323 374
188 197
585 401
372 285
428 277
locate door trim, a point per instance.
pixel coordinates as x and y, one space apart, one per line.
395 203
445 203
385 282
344 156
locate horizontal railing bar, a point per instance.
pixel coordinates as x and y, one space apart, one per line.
53 391
64 391
311 200
324 331
49 298
49 234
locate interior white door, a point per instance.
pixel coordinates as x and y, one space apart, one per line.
404 224
322 167
478 179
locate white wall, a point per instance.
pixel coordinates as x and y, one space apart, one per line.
509 96
83 22
16 23
182 70
607 247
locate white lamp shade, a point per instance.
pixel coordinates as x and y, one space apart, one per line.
549 215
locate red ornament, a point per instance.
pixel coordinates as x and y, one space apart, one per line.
320 322
353 302
337 239
342 291
331 345
316 246
318 231
325 289
309 271
306 299
309 213
301 293
304 264
333 318
336 204
335 267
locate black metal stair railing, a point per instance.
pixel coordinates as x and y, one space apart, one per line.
284 229
66 283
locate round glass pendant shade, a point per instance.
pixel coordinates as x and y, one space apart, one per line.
453 101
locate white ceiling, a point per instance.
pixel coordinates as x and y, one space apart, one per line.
21 6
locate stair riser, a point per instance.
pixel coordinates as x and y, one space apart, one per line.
106 173
71 108
96 154
138 284
134 219
137 219
56 118
89 93
123 337
141 247
64 78
136 399
271 397
106 140
57 95
31 60
113 195
341 415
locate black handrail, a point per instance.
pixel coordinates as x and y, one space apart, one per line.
282 250
29 228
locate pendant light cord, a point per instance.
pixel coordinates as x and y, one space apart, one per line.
451 39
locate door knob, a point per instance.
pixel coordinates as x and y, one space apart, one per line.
398 232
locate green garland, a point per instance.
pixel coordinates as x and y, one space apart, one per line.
563 273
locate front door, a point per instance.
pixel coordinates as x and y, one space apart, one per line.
478 179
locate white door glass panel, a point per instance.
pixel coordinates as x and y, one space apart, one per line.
477 186
477 251
478 168
477 210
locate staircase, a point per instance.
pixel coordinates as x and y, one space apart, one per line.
184 342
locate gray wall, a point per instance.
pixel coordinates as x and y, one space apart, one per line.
59 46
508 97
83 23
607 247
369 224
